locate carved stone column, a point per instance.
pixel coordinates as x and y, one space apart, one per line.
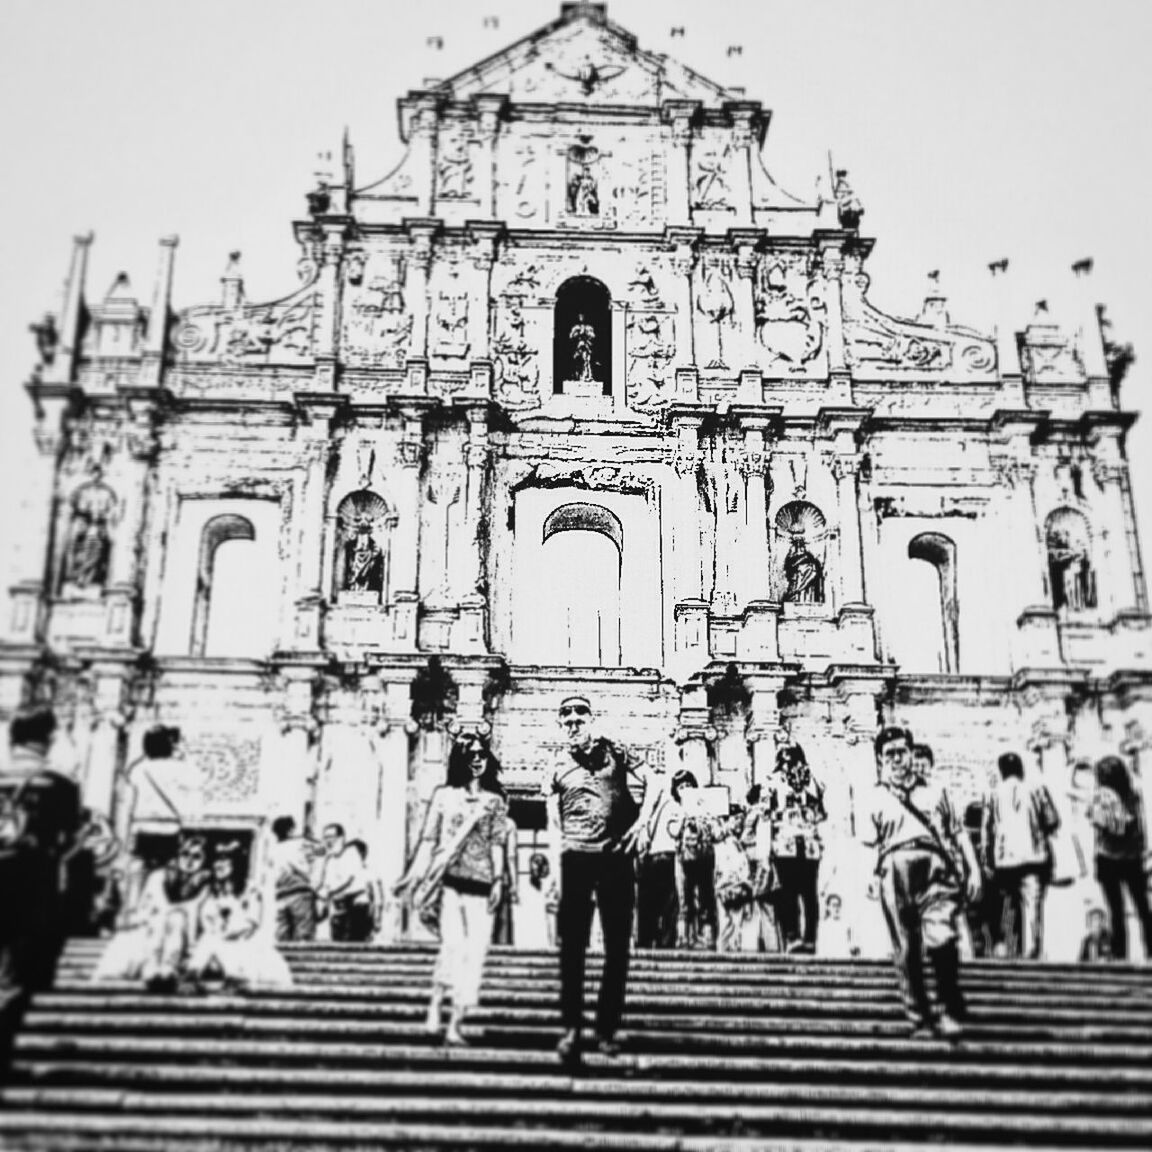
677 116
62 368
488 109
1120 580
326 330
421 234
833 260
744 117
469 580
406 561
846 469
311 539
682 242
152 358
485 238
744 241
753 535
422 152
102 746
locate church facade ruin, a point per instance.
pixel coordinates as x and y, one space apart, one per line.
575 398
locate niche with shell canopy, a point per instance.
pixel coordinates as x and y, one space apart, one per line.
801 550
361 568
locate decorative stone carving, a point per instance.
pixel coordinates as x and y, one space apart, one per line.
377 323
517 362
1047 356
591 477
450 322
262 333
710 177
90 537
228 769
454 175
651 348
789 327
714 301
874 340
588 76
642 290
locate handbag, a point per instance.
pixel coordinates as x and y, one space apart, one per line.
428 893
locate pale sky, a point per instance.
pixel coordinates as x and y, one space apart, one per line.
972 131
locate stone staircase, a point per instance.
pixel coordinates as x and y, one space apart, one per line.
724 1052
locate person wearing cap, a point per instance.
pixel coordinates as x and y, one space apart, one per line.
914 827
595 826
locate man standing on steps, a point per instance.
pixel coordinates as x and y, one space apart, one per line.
595 826
914 827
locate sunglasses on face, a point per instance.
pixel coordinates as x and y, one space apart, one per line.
575 710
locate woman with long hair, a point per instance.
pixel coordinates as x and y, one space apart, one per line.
236 941
459 861
1117 815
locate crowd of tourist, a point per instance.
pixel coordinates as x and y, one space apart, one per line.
652 858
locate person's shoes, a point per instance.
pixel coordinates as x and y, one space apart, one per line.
569 1047
608 1046
453 1038
922 1030
162 983
948 1027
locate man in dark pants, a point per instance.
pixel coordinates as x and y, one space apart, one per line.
39 821
914 827
595 825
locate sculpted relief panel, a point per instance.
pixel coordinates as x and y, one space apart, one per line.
789 312
377 324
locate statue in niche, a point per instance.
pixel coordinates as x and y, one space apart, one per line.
803 575
583 338
363 560
1070 571
90 545
583 193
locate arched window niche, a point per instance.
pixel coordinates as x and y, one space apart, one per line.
1071 578
939 551
217 532
801 533
582 339
584 555
361 569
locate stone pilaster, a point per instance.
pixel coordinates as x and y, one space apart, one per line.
329 283
682 242
485 238
677 116
421 234
406 560
488 111
152 358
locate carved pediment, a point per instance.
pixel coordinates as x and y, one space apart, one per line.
582 58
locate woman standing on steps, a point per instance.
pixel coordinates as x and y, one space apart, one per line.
456 876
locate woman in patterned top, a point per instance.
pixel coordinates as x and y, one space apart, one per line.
462 847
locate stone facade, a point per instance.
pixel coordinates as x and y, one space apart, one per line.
576 397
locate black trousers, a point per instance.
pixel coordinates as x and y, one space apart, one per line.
351 921
657 903
798 878
610 878
1114 874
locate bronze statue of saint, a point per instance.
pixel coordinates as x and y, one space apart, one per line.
803 574
86 562
583 337
363 562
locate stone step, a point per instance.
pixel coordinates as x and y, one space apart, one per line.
512 1025
247 1047
422 1117
41 1132
518 1086
934 1064
410 1003
698 961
